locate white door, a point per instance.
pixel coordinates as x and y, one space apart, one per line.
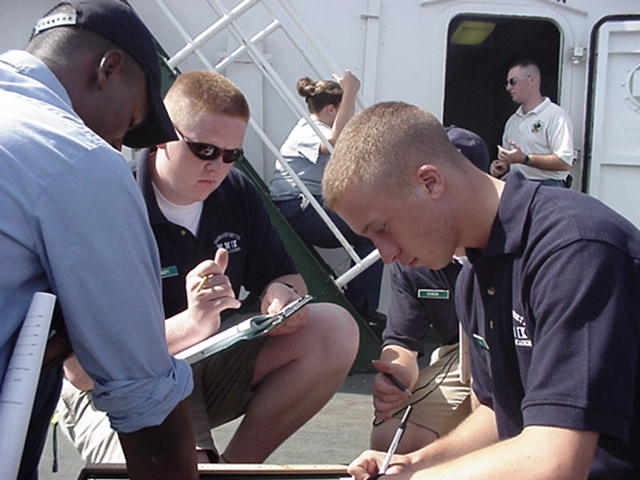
614 122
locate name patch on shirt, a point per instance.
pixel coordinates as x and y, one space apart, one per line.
168 272
433 293
482 343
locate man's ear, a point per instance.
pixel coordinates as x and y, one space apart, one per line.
431 179
161 146
112 62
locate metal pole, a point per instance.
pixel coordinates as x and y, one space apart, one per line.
224 20
257 38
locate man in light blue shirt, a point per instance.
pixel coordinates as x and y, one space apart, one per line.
73 222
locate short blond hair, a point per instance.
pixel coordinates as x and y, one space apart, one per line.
201 92
382 146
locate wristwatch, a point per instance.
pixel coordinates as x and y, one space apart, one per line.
526 159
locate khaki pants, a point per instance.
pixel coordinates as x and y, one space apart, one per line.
222 391
440 400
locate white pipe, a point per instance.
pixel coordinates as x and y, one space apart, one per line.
371 51
257 38
183 33
357 269
220 24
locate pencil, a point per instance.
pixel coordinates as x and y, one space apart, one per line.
394 443
203 281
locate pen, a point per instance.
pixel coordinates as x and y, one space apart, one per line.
398 383
395 442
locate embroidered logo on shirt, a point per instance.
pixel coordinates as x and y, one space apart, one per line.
520 336
433 293
536 127
229 241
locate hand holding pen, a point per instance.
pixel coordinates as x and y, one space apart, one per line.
394 444
389 389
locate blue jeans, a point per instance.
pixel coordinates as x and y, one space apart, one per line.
364 290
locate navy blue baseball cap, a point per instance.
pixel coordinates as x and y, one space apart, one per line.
117 21
471 145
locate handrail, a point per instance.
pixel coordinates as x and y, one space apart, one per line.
183 33
219 25
256 39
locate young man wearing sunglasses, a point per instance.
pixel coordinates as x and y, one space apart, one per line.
537 139
199 206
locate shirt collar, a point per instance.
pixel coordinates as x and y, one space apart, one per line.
143 177
511 222
539 108
39 81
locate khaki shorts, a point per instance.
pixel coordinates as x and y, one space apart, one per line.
440 400
222 392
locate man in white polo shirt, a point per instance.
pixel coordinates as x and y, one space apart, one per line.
537 139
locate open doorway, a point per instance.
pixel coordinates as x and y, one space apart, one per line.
480 49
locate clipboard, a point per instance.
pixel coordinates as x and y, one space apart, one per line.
248 329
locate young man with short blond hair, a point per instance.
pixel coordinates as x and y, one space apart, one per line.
549 300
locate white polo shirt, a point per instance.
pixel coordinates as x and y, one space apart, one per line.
545 129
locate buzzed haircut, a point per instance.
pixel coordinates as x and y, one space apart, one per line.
383 145
202 92
530 66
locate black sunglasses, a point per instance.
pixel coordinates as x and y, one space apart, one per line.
513 80
208 151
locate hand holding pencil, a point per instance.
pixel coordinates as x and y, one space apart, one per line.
209 292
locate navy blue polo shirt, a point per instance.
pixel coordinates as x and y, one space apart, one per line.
553 304
421 299
233 217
